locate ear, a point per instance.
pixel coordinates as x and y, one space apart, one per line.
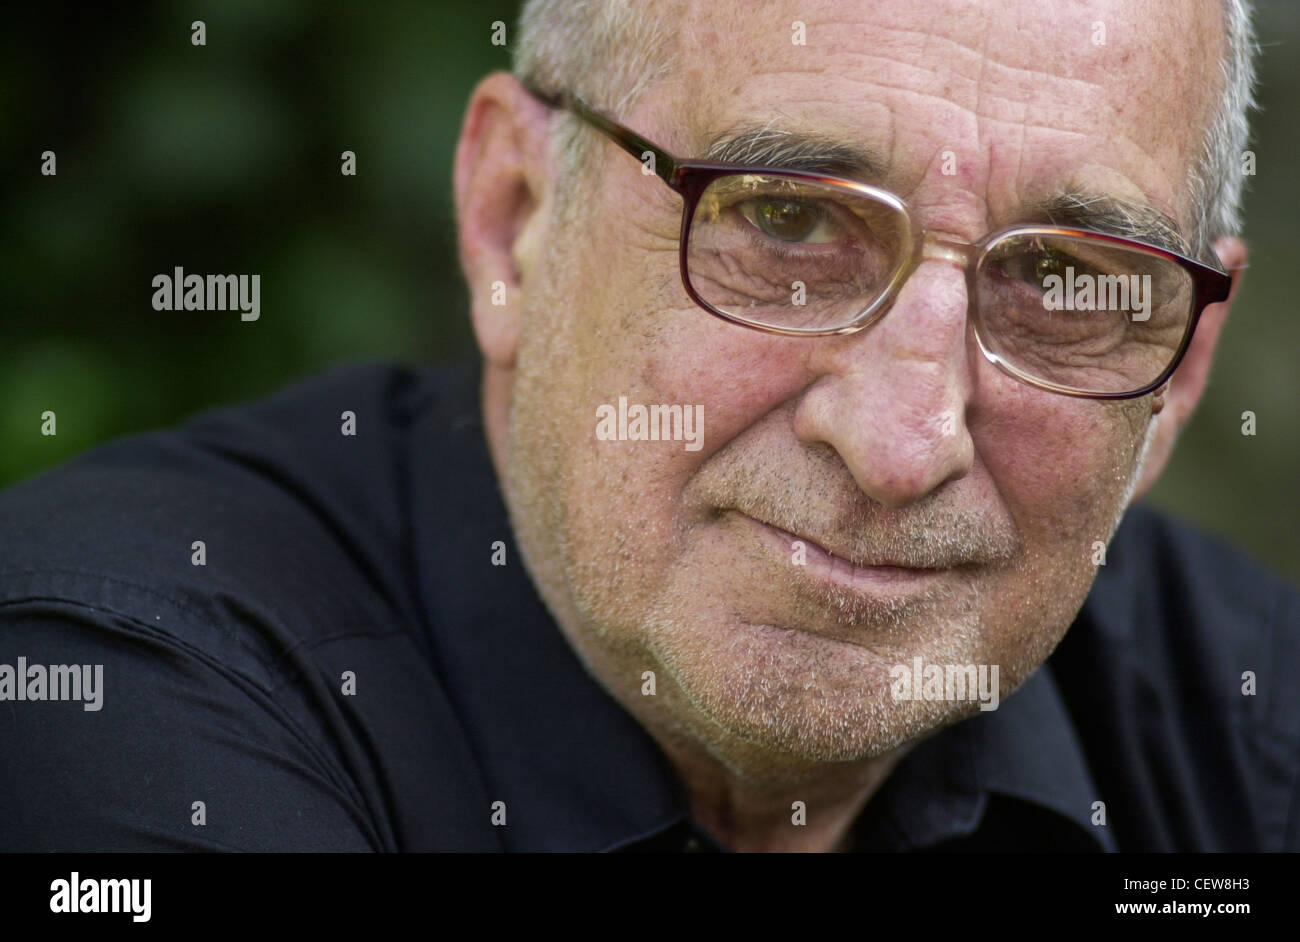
1188 382
499 178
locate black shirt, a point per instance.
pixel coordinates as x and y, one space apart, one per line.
349 671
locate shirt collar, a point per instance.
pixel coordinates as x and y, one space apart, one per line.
576 771
1026 751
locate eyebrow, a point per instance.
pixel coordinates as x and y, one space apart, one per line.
770 146
1115 216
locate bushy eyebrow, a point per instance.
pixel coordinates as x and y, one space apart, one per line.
1114 216
770 146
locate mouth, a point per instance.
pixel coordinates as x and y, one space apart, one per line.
871 575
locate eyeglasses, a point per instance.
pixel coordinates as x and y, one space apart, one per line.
804 254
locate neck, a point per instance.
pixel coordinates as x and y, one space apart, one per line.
750 805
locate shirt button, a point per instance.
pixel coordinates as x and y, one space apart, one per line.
692 845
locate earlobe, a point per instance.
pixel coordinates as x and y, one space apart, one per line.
1158 400
496 180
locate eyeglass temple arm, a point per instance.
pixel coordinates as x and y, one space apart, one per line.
659 161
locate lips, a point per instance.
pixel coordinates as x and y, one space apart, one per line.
843 557
872 579
859 589
814 589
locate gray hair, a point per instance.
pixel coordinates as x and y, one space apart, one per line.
611 51
1217 178
607 51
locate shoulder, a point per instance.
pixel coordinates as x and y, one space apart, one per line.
292 500
227 575
1179 670
1176 597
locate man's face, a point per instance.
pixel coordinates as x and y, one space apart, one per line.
963 508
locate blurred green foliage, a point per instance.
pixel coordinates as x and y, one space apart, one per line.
225 158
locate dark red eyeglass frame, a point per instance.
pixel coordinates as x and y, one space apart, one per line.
691 178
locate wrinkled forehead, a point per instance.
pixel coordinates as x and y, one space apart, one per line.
1023 98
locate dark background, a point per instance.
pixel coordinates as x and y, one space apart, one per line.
225 158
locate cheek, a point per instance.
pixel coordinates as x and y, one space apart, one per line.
737 374
1061 465
624 497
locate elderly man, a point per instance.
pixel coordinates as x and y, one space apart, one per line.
824 348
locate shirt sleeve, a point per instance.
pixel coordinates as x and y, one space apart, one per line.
171 750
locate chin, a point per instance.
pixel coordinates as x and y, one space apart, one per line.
793 694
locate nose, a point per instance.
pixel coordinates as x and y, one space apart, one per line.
892 399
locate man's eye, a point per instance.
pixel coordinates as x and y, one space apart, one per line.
1049 263
1034 267
788 220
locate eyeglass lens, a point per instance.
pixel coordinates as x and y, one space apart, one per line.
796 254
